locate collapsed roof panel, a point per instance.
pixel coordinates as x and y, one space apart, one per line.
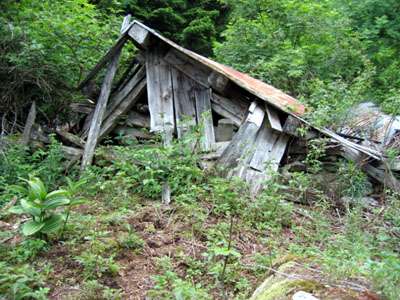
141 34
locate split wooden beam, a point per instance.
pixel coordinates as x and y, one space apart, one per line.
112 52
111 121
101 105
30 120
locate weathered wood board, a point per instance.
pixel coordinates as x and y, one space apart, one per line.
140 35
99 112
159 92
204 117
184 101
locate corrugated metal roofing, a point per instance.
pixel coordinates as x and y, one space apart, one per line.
262 90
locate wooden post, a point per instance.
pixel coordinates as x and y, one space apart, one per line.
28 125
101 105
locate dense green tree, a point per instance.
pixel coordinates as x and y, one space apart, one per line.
330 53
46 47
378 23
194 24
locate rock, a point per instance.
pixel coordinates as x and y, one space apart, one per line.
363 201
301 295
279 286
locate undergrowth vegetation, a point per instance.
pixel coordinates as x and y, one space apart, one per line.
200 247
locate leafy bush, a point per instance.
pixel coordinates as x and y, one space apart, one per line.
41 206
144 169
49 45
169 285
21 282
96 266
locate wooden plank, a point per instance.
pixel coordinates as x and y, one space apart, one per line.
240 150
273 118
204 117
30 120
218 149
166 189
99 111
115 100
188 66
128 74
233 109
138 119
159 91
129 101
140 35
184 101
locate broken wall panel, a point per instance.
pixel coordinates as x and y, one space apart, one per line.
241 148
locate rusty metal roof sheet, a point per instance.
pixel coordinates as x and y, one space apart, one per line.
262 90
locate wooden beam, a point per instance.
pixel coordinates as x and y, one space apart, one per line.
188 66
111 121
218 82
141 36
204 117
184 101
159 92
233 109
30 120
100 109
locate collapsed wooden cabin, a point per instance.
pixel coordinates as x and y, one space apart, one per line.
246 124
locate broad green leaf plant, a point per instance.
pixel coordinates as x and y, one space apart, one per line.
43 207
